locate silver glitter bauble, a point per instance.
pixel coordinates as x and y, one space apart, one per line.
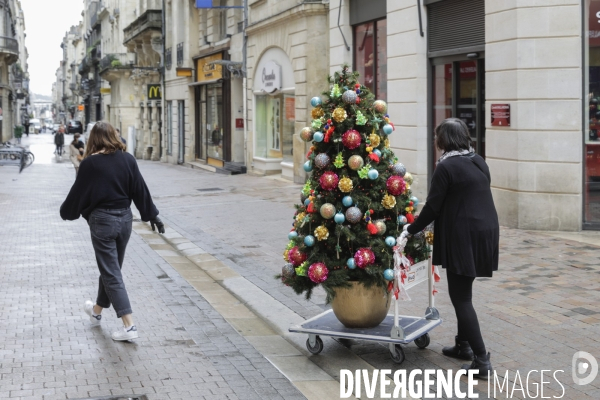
349 97
380 225
399 169
288 271
327 210
353 215
322 160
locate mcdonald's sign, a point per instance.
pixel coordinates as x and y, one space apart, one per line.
154 92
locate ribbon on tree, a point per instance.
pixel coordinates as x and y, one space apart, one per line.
401 267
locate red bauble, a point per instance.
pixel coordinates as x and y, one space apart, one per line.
409 218
364 257
318 272
395 185
329 180
351 139
295 256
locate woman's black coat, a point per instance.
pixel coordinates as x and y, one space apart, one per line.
466 230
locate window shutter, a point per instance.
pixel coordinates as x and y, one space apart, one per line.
456 26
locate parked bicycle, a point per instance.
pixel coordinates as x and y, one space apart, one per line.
14 157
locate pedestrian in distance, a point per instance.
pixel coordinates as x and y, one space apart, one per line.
59 141
466 233
76 149
121 137
102 194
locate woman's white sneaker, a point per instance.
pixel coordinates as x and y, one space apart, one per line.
125 334
88 308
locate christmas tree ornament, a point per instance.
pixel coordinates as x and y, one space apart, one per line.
339 160
306 202
351 263
339 218
309 240
386 143
347 201
288 271
316 101
388 274
327 210
292 235
408 178
318 272
388 129
316 124
321 233
351 139
373 174
349 97
395 185
371 228
360 118
356 162
380 106
335 91
363 173
308 166
390 241
339 115
377 152
345 185
399 169
380 225
364 257
414 200
402 220
318 137
306 134
429 237
306 189
329 180
353 215
302 270
322 160
317 112
388 201
374 139
295 256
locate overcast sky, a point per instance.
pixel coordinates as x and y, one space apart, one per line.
45 25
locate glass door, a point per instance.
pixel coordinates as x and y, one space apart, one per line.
214 121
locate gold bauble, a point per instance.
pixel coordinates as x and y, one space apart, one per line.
299 219
408 178
321 233
429 237
380 225
356 162
375 139
345 185
339 114
317 113
285 255
386 143
388 201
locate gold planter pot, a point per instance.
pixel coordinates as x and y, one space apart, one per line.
360 307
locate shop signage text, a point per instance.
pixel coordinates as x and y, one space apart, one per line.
206 70
154 92
271 77
500 114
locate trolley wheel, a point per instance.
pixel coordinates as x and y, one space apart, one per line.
423 341
317 348
398 354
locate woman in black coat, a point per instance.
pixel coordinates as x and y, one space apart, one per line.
466 233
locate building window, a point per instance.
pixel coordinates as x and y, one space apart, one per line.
370 56
169 127
275 116
222 24
168 58
179 54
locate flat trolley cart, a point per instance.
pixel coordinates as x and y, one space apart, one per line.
395 330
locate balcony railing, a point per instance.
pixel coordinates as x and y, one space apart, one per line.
168 58
9 45
117 61
179 54
151 19
93 9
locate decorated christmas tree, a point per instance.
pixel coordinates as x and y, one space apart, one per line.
357 197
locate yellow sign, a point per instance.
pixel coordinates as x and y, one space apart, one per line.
187 72
80 107
205 71
154 92
105 90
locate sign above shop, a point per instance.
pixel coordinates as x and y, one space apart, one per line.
154 92
271 77
206 70
104 90
500 114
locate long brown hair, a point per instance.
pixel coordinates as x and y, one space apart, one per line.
103 138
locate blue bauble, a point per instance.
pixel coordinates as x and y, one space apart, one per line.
388 274
402 219
309 240
390 241
318 137
373 174
415 201
351 263
388 129
339 218
308 166
292 235
306 202
316 101
377 152
347 201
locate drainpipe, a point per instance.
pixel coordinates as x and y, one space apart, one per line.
163 71
245 84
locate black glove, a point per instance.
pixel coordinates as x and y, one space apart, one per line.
156 222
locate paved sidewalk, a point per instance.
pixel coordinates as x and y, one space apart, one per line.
187 350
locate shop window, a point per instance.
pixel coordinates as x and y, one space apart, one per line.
214 121
370 56
275 116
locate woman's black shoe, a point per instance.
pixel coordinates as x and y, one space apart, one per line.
483 364
461 350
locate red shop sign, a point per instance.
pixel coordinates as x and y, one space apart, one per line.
500 114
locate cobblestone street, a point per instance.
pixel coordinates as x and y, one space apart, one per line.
213 320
